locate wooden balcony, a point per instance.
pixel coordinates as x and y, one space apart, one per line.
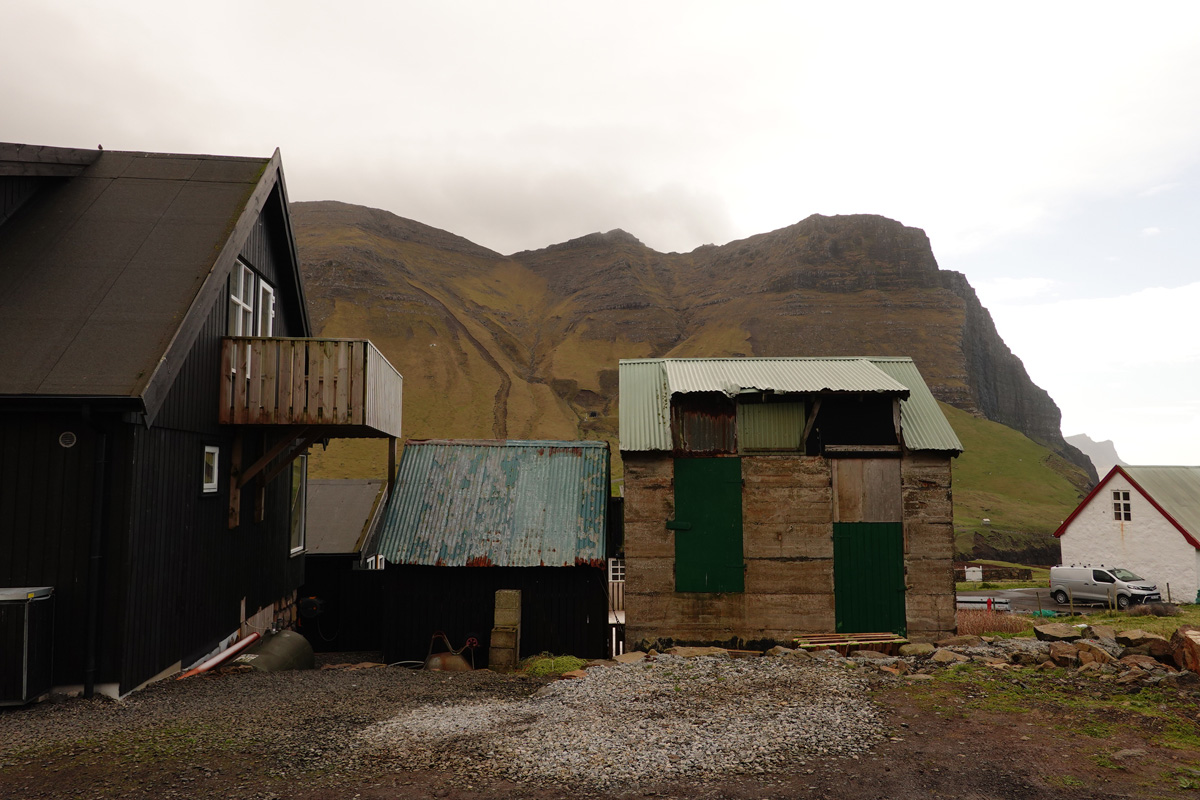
345 386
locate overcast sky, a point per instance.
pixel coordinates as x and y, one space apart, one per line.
1050 151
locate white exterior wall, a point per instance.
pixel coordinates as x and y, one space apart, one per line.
1148 544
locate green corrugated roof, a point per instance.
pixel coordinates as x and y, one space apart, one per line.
502 503
646 386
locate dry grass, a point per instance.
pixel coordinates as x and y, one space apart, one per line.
988 622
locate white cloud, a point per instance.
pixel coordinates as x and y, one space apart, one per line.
1005 290
1124 368
1151 231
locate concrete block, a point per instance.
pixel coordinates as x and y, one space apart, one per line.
929 576
506 638
789 576
788 540
649 575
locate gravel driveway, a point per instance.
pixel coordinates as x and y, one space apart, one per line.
670 717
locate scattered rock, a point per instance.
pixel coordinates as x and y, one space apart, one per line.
1090 651
871 654
1132 675
966 640
1185 648
1141 661
779 650
1137 637
916 649
802 655
944 656
1063 654
575 674
1100 632
630 658
1057 632
698 652
1125 755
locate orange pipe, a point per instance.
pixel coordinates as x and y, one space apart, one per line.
221 657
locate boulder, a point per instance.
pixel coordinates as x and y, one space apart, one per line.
916 649
1137 638
870 654
1090 651
779 650
1140 660
800 655
1100 632
1057 632
697 652
1185 648
630 658
1132 676
1063 654
966 640
944 656
575 674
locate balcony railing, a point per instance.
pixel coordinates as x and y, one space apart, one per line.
344 382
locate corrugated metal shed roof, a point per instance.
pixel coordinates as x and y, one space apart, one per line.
921 420
502 503
646 386
339 514
1175 489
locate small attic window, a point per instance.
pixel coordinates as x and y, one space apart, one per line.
1122 509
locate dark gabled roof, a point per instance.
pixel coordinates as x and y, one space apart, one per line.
497 503
108 265
1173 491
341 514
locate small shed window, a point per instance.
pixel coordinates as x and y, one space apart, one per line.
770 427
299 491
212 459
1121 506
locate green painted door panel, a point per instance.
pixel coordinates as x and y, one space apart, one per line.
868 577
708 525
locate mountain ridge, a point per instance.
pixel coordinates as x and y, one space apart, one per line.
539 332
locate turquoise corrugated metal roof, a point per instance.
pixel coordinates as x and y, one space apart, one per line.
1176 489
646 386
503 503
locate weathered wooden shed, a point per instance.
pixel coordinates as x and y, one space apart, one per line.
469 517
770 497
157 394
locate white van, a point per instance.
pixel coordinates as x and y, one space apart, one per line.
1100 584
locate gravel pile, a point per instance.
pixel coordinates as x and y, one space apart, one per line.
657 719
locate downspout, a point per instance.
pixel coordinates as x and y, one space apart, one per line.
97 556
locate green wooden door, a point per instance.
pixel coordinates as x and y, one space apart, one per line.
708 525
868 577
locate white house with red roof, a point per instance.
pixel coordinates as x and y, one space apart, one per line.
1146 519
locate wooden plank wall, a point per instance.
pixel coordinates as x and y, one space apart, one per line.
788 544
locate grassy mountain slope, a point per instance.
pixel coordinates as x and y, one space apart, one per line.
1023 488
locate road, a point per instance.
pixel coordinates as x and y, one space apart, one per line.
1029 600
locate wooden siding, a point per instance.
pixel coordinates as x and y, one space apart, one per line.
15 190
309 382
46 495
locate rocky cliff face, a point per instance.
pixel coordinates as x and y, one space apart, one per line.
536 335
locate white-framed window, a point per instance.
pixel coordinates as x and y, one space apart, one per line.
1122 509
241 301
616 569
212 467
299 501
266 309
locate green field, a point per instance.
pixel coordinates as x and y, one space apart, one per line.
1021 487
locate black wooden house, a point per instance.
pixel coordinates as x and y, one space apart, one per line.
158 392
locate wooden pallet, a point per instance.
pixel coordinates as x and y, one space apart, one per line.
844 643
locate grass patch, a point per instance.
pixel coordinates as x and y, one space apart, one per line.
546 665
980 622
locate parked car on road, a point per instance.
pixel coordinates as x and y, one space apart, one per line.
1100 584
